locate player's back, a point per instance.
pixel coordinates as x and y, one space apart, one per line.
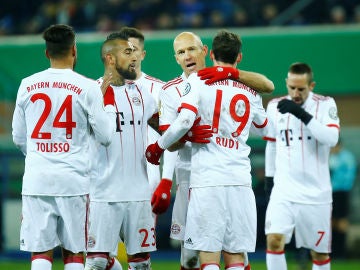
230 108
55 105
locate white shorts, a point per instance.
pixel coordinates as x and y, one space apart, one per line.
178 220
48 222
131 221
311 223
221 218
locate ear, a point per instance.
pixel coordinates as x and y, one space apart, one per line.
47 54
312 85
212 57
205 49
143 54
177 61
74 51
239 58
109 59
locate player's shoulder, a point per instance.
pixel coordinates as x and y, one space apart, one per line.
152 79
173 83
276 100
321 98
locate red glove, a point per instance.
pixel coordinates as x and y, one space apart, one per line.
153 153
109 97
198 133
214 74
160 200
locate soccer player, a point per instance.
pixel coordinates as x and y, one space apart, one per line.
232 108
120 193
56 112
153 85
190 54
303 126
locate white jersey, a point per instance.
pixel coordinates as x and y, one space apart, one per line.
153 85
231 108
119 170
56 109
170 97
301 165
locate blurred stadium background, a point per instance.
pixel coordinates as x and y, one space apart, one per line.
323 33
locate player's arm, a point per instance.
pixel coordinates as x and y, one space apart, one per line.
101 111
177 130
19 129
327 134
255 80
153 122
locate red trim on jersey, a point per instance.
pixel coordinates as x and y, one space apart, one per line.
206 264
148 77
261 125
322 262
334 125
74 259
265 138
234 265
163 127
275 252
41 257
187 106
87 218
175 81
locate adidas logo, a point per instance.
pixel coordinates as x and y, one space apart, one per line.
188 241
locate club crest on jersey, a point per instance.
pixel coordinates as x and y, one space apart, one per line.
175 229
136 101
91 241
333 113
186 90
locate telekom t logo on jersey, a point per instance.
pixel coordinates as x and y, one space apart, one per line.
120 121
287 136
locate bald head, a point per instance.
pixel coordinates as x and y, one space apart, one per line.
190 52
187 38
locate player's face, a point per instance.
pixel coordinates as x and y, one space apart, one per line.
138 51
125 60
189 53
299 87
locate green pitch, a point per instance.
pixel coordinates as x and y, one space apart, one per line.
174 265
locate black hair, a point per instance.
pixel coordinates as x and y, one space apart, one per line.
226 46
59 38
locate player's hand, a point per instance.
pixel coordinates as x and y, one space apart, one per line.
289 106
109 97
153 153
198 133
217 73
160 200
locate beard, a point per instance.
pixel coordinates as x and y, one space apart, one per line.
126 73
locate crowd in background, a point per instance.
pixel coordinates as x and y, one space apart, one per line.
32 17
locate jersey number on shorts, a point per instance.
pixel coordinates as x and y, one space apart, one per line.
145 242
321 233
235 107
65 108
